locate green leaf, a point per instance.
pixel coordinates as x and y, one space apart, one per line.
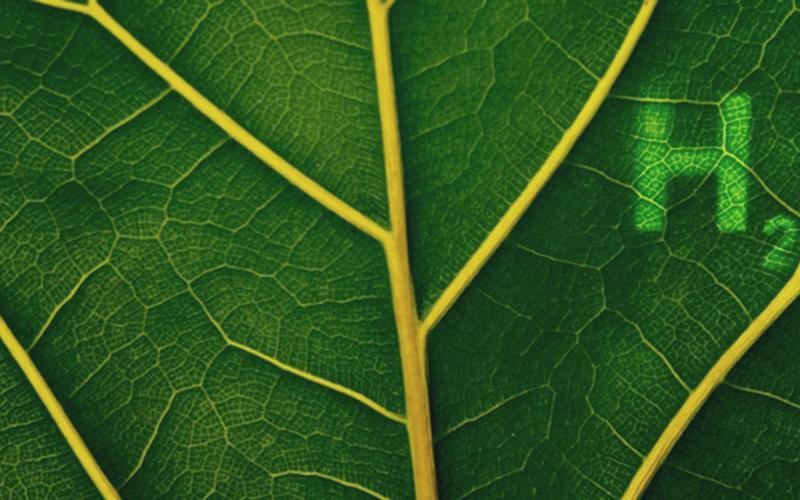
248 250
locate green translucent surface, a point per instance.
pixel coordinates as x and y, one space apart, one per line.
184 301
658 163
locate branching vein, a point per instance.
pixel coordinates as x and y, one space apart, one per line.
503 228
224 121
412 351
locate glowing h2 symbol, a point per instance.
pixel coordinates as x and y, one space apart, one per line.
658 163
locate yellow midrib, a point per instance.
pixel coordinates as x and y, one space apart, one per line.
680 421
412 355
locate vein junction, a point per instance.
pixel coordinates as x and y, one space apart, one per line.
237 132
224 121
393 241
107 266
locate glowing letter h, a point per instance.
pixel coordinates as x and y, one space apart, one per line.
657 163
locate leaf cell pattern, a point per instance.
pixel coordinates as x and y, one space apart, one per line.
239 239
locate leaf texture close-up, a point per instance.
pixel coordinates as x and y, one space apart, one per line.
399 249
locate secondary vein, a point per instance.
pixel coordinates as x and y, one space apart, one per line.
56 411
503 228
214 113
652 462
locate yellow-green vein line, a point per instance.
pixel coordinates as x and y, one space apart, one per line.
56 411
272 159
713 378
412 353
503 228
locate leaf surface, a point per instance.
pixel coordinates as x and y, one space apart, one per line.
726 453
562 365
239 240
37 463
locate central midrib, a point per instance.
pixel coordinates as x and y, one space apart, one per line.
412 354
